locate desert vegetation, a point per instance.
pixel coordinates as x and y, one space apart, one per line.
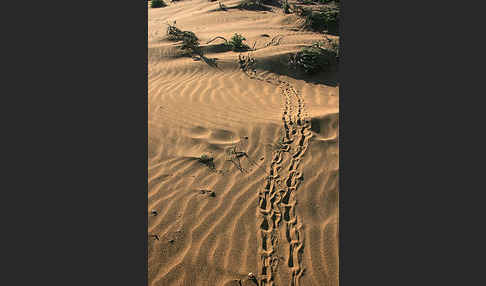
190 43
157 4
229 147
320 56
235 43
326 18
255 5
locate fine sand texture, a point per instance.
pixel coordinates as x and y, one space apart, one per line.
267 201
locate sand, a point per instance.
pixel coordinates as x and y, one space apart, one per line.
261 206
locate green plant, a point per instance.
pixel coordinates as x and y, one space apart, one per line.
320 56
331 17
334 46
236 43
206 160
286 7
190 43
327 18
157 4
253 5
174 33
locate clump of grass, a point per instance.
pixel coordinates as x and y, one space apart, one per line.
157 4
320 56
174 33
286 7
334 46
206 160
330 15
190 43
327 18
236 43
252 5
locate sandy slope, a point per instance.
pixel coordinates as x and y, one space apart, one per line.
275 211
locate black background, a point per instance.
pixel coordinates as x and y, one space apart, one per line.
74 134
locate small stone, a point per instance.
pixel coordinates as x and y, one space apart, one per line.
212 194
171 241
251 276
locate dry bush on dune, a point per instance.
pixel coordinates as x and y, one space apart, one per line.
320 56
326 18
174 33
157 4
254 5
247 63
206 160
190 42
286 7
235 43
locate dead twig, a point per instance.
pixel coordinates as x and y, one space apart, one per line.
218 37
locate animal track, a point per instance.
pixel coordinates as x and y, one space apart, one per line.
235 155
277 199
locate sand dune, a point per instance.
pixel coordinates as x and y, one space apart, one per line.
273 208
